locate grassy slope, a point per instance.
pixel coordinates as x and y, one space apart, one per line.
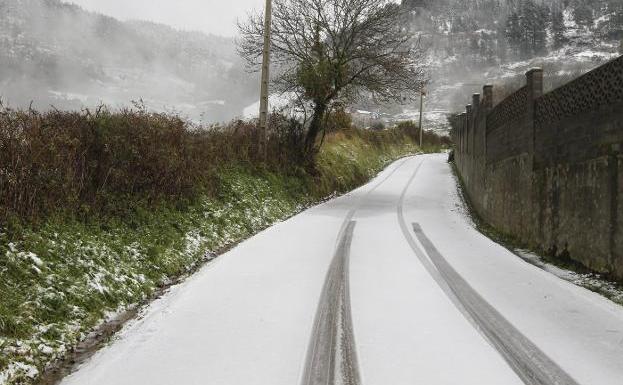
61 279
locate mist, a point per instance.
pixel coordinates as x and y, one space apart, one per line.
182 57
58 55
209 16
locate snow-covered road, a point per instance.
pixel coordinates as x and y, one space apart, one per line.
390 284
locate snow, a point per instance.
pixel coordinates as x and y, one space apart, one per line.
591 281
602 19
406 329
275 102
580 330
235 320
519 64
569 20
96 283
246 318
592 54
45 349
14 368
35 259
434 120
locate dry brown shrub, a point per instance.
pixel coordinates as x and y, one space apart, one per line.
90 162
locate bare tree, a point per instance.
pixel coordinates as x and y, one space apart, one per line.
330 52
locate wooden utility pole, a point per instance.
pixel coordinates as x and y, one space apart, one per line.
422 94
265 79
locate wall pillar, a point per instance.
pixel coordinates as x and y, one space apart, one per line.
534 205
463 130
470 126
534 79
487 97
476 102
475 124
486 106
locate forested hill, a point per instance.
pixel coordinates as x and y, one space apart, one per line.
477 41
53 53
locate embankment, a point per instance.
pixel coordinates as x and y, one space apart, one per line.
100 210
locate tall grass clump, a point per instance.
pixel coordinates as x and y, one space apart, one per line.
431 141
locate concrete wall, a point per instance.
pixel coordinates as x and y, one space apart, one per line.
548 169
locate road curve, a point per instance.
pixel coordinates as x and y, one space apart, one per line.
547 330
527 360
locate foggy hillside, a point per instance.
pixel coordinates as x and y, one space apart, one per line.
52 53
473 42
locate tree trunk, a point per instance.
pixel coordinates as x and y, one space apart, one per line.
314 128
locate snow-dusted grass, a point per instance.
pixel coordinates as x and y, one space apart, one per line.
62 278
358 155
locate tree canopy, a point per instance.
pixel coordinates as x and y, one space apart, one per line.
331 52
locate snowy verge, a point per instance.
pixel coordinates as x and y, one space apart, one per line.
63 279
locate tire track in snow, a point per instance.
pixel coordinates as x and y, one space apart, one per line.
531 365
351 213
332 355
332 358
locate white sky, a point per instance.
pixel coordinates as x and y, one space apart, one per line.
211 16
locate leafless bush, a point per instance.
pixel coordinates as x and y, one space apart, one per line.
88 162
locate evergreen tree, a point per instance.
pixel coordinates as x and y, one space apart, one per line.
615 27
501 46
532 23
583 14
558 29
514 32
474 44
527 16
487 50
539 28
459 25
413 4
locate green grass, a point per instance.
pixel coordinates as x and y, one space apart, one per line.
61 278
